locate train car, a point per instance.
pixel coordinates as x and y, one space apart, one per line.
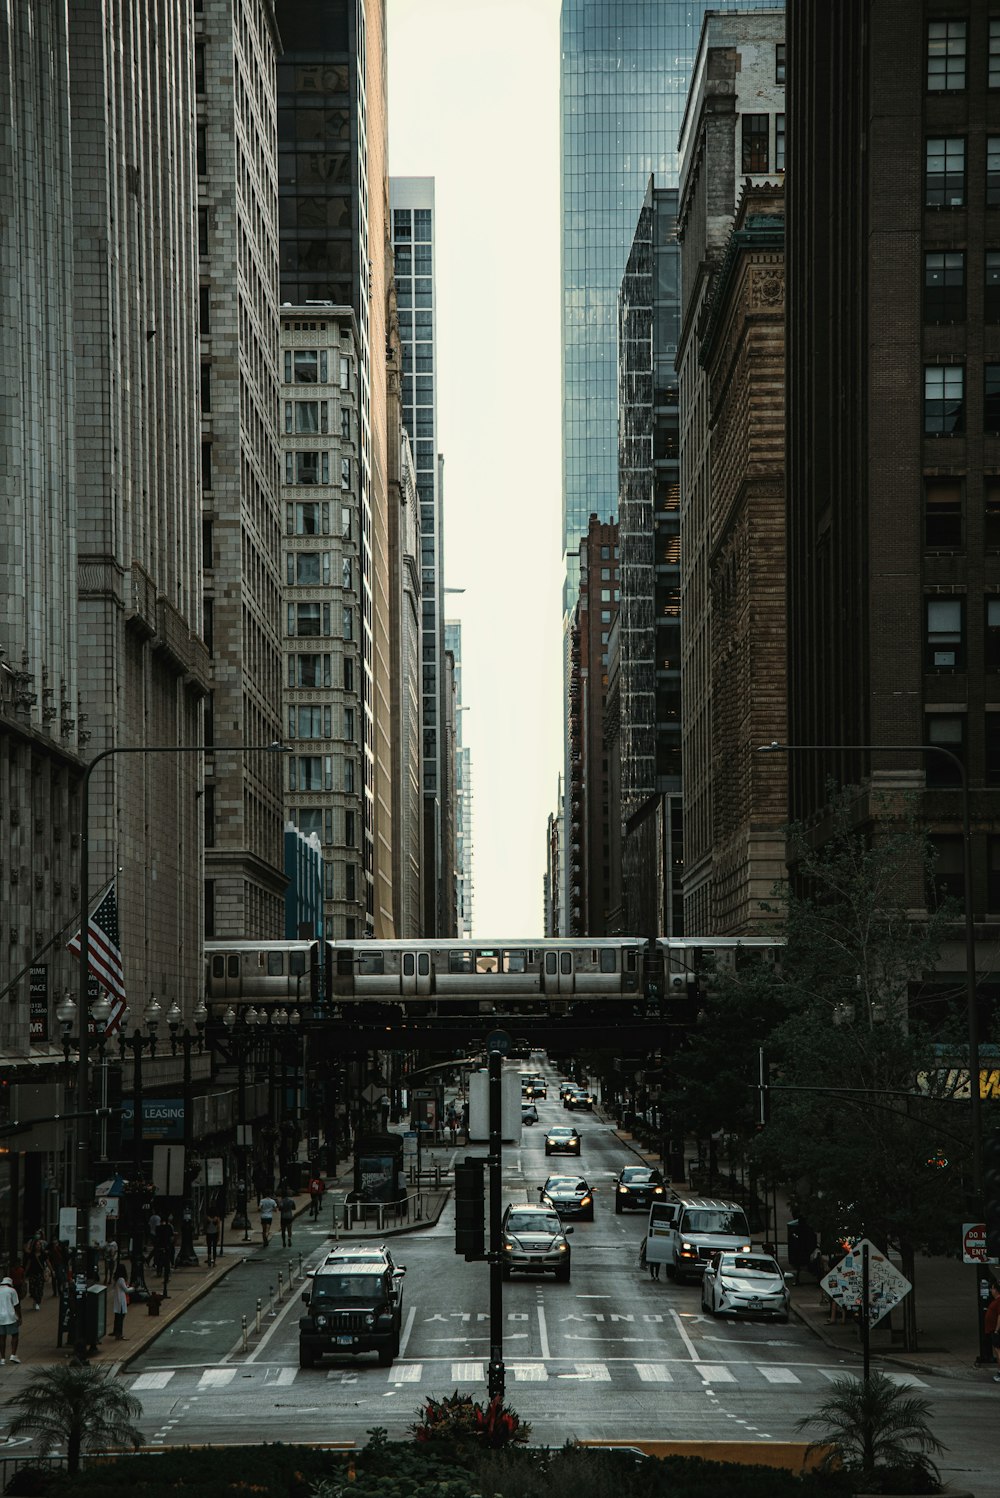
686 960
292 973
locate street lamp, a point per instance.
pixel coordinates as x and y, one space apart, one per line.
138 1194
972 1019
242 1037
187 1258
83 1182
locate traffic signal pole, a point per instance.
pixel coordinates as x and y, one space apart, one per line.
496 1381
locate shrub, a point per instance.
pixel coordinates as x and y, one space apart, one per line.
459 1420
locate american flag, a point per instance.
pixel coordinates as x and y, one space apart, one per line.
105 957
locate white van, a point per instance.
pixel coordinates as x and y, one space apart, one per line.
663 1217
702 1227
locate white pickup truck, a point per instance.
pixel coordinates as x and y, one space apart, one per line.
684 1235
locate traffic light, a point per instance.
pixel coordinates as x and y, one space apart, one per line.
470 1208
991 1192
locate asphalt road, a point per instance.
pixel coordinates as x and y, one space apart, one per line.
612 1354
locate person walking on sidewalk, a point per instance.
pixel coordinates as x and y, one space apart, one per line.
34 1268
267 1206
10 1320
316 1188
286 1213
119 1304
991 1326
213 1227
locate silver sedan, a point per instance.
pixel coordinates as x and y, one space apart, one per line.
745 1285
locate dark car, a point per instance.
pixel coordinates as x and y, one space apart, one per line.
579 1097
570 1195
351 1307
638 1186
561 1141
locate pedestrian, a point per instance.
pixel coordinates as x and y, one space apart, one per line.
213 1228
110 1261
992 1326
163 1245
57 1267
152 1226
286 1213
317 1186
819 1267
119 1304
34 1268
267 1206
10 1320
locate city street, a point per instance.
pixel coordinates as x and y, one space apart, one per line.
611 1355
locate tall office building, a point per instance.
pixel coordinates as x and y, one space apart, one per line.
411 202
332 187
463 791
624 74
893 444
235 48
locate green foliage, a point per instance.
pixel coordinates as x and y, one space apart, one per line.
458 1418
267 1471
76 1405
872 1426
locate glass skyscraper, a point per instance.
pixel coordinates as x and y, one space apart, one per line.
625 70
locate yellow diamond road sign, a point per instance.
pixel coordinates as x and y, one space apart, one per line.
886 1286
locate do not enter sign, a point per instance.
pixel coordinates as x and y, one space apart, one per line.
974 1243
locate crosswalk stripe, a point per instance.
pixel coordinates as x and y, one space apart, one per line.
778 1375
713 1374
408 1373
596 1373
285 1377
536 1373
158 1380
216 1378
906 1380
654 1373
463 1372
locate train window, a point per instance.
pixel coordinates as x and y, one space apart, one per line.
297 963
233 967
275 964
487 962
371 964
460 962
630 962
550 963
218 967
609 960
408 965
513 962
565 962
345 962
423 963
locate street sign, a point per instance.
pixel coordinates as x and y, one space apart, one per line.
409 1144
886 1286
974 1243
498 1040
373 1092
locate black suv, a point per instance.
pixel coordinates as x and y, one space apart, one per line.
351 1307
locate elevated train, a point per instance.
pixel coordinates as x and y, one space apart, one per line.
441 978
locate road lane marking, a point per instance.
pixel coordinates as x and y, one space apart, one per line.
157 1380
531 1373
404 1339
473 1372
713 1373
291 1305
595 1373
216 1378
778 1375
412 1373
285 1377
654 1373
682 1333
543 1333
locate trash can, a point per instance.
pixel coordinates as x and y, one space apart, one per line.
95 1314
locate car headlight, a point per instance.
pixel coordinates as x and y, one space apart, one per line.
728 1285
623 1191
321 1321
370 1319
563 1248
586 1201
508 1245
687 1248
657 1190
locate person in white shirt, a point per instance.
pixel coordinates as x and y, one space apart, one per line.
10 1320
267 1208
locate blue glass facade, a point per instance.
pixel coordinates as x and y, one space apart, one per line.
625 70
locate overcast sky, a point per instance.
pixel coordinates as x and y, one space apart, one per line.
474 103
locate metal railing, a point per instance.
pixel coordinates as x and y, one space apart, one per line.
409 1208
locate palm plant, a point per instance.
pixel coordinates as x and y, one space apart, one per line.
77 1405
872 1424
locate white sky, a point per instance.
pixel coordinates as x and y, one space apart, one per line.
474 103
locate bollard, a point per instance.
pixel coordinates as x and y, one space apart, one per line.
281 1283
257 1327
300 1266
291 1273
270 1291
244 1328
419 1207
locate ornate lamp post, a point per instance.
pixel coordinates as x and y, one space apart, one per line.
139 1193
241 1036
187 1257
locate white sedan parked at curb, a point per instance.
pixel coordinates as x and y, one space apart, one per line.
745 1285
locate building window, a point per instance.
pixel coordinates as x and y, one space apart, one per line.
204 311
993 171
345 473
306 417
305 366
350 882
345 522
348 674
991 399
947 731
991 646
943 513
944 400
346 579
309 820
991 512
312 670
308 569
994 78
947 879
349 829
202 231
945 55
993 873
201 150
307 468
345 423
206 466
349 776
199 66
349 724
779 62
779 143
206 387
991 291
944 646
348 623
945 171
345 373
308 518
308 619
756 129
305 722
944 286
209 804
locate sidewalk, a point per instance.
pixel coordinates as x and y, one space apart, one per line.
947 1316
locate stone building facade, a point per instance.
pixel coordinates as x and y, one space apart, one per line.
743 354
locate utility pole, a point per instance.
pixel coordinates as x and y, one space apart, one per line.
496 1380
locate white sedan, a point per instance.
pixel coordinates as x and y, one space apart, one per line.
745 1285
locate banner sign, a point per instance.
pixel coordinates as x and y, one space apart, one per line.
162 1118
38 1004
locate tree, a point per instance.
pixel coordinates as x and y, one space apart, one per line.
871 1425
79 1406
